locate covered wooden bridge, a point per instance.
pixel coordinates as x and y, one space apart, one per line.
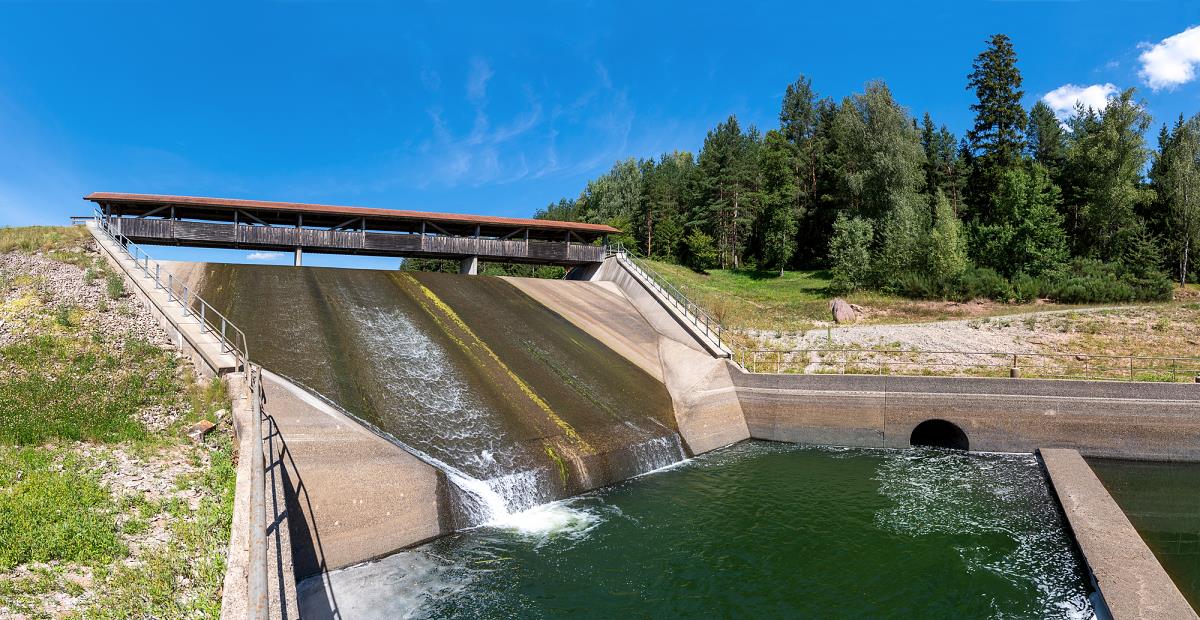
299 228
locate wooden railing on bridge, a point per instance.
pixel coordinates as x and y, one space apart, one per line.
354 241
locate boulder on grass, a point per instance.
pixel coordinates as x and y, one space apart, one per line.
843 312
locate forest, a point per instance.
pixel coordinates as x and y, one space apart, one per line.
1023 206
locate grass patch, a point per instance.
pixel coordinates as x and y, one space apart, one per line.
43 238
793 302
114 285
195 555
49 510
64 387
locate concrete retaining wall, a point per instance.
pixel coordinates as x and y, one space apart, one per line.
1128 576
1099 418
618 311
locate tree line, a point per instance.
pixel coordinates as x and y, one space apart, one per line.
1023 205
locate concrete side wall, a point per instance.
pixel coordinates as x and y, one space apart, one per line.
1098 418
352 495
624 316
1125 571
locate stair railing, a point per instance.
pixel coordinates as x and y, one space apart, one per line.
692 311
233 342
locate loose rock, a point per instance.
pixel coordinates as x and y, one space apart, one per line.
843 312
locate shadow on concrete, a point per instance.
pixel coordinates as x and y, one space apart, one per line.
306 552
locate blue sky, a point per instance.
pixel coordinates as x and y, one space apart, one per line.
496 109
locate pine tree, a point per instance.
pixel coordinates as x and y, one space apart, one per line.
1105 160
728 189
943 166
1046 139
658 224
995 139
777 222
1175 177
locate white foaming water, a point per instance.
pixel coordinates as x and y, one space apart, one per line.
555 518
658 452
423 390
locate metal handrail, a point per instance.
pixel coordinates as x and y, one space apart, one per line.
691 310
1076 366
233 341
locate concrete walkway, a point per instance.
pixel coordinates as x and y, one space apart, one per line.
360 496
184 327
1130 578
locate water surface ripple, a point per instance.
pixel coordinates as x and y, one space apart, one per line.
757 530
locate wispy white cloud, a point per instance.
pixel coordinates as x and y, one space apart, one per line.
477 79
264 256
1172 61
1064 98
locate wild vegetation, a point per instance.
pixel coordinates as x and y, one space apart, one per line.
1024 206
106 510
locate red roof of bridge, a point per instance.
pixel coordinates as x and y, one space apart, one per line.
301 207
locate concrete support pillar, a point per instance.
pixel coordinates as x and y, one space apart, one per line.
299 257
469 266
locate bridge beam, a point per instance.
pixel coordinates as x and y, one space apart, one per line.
469 266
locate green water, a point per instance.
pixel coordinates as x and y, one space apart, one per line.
1162 500
758 530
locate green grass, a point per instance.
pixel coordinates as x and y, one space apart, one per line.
795 301
42 238
50 510
65 387
63 381
195 554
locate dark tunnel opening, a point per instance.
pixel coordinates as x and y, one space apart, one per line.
939 434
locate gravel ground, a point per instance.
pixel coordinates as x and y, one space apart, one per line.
936 344
153 477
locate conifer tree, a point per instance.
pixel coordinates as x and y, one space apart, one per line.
995 139
1175 177
779 188
1046 139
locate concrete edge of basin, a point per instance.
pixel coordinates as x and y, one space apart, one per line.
1128 577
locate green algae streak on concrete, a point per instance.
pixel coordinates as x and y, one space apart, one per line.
1162 500
467 370
757 530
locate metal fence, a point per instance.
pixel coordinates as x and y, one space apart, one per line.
697 315
972 363
232 341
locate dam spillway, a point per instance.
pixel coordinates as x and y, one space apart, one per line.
514 403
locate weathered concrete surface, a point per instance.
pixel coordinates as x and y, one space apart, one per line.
1129 577
1099 418
353 496
707 411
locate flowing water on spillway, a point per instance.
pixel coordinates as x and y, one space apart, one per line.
758 530
515 404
